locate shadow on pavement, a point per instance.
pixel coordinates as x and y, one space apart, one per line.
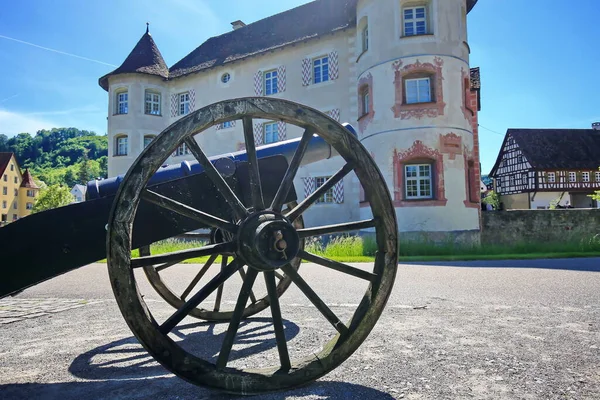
568 264
124 370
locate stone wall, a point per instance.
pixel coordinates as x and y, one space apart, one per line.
539 225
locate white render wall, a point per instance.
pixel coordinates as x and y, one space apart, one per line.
383 134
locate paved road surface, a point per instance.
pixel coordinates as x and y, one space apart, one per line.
472 330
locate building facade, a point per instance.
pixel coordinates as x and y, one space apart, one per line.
540 168
19 191
398 70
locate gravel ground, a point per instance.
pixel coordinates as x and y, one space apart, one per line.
471 330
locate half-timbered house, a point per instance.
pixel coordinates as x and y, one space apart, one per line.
537 167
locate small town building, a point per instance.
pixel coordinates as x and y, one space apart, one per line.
18 190
78 192
540 168
398 70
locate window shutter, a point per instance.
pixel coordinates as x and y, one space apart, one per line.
281 79
334 66
334 114
281 131
306 71
258 134
192 100
174 105
338 192
309 186
258 83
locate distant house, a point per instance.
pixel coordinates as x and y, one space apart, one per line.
18 191
536 167
78 191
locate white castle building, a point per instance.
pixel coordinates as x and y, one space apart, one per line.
397 70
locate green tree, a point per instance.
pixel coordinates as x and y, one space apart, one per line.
596 195
52 197
83 175
492 199
69 178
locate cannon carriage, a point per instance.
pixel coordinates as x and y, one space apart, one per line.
247 203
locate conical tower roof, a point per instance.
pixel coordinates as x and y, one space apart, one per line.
145 58
27 181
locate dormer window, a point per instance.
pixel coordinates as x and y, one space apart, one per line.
152 103
122 102
415 21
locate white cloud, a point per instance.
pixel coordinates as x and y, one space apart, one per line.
12 123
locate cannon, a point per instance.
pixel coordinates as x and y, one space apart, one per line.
247 203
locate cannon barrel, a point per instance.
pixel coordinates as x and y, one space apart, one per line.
317 150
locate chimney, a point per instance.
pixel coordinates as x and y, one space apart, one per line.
237 24
596 126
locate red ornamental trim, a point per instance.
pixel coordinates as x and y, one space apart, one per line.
364 120
467 96
419 153
419 110
471 180
451 144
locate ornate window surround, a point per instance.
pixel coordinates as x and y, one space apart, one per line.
419 153
433 70
365 84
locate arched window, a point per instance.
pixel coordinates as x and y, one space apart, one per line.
121 144
148 139
121 101
152 102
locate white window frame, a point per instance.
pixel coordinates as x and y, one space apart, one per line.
122 100
320 74
270 81
151 137
585 177
551 177
418 179
121 145
5 190
365 38
271 131
152 102
365 98
29 206
420 98
182 150
597 175
30 193
414 20
572 177
183 103
327 197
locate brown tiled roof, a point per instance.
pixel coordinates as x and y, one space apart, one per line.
4 160
145 58
305 22
558 148
27 181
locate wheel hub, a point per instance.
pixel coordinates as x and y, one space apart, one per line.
267 241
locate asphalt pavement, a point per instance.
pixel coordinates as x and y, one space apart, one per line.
453 330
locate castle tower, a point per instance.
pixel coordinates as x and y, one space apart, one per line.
137 103
418 104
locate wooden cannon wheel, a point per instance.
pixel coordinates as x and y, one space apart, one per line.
253 236
156 278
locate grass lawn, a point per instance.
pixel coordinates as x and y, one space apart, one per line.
355 249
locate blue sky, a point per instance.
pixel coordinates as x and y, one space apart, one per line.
539 58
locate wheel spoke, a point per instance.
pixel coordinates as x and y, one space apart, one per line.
312 198
253 170
199 276
183 255
278 275
328 229
315 299
347 269
188 211
290 174
166 265
214 175
199 297
220 289
236 318
284 356
243 275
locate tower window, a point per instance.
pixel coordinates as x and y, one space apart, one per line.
415 21
152 103
365 38
121 145
148 139
365 99
122 102
418 181
418 90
